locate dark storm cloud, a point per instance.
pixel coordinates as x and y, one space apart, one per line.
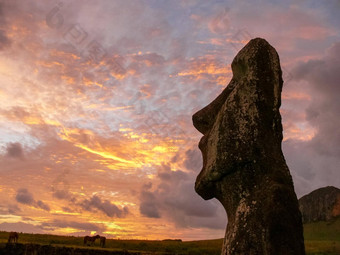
43 205
193 160
23 196
148 205
168 176
62 194
175 198
14 150
316 162
323 113
95 203
67 209
189 202
73 224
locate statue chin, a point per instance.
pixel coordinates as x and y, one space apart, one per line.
205 189
205 183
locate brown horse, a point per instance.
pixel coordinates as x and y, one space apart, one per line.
13 237
90 239
102 241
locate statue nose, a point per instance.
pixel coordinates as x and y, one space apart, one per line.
201 122
204 119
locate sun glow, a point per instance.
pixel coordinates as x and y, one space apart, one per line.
206 68
65 213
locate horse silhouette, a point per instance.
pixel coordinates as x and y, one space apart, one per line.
13 237
102 241
90 239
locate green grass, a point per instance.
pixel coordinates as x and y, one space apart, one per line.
320 238
329 231
44 239
208 247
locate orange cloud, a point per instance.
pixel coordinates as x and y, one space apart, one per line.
133 152
296 96
300 132
64 55
209 67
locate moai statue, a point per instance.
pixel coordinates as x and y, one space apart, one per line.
243 164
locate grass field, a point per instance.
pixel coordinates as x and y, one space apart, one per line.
320 238
208 247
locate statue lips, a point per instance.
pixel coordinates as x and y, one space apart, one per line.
202 143
203 185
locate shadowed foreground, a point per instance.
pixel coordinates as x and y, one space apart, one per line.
320 238
114 246
36 249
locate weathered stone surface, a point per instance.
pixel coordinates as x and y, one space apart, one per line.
320 205
243 164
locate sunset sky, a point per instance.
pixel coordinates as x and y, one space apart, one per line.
96 99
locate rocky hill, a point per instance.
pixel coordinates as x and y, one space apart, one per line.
320 205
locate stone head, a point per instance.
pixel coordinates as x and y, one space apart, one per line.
237 124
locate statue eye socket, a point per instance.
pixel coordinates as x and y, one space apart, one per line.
239 68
